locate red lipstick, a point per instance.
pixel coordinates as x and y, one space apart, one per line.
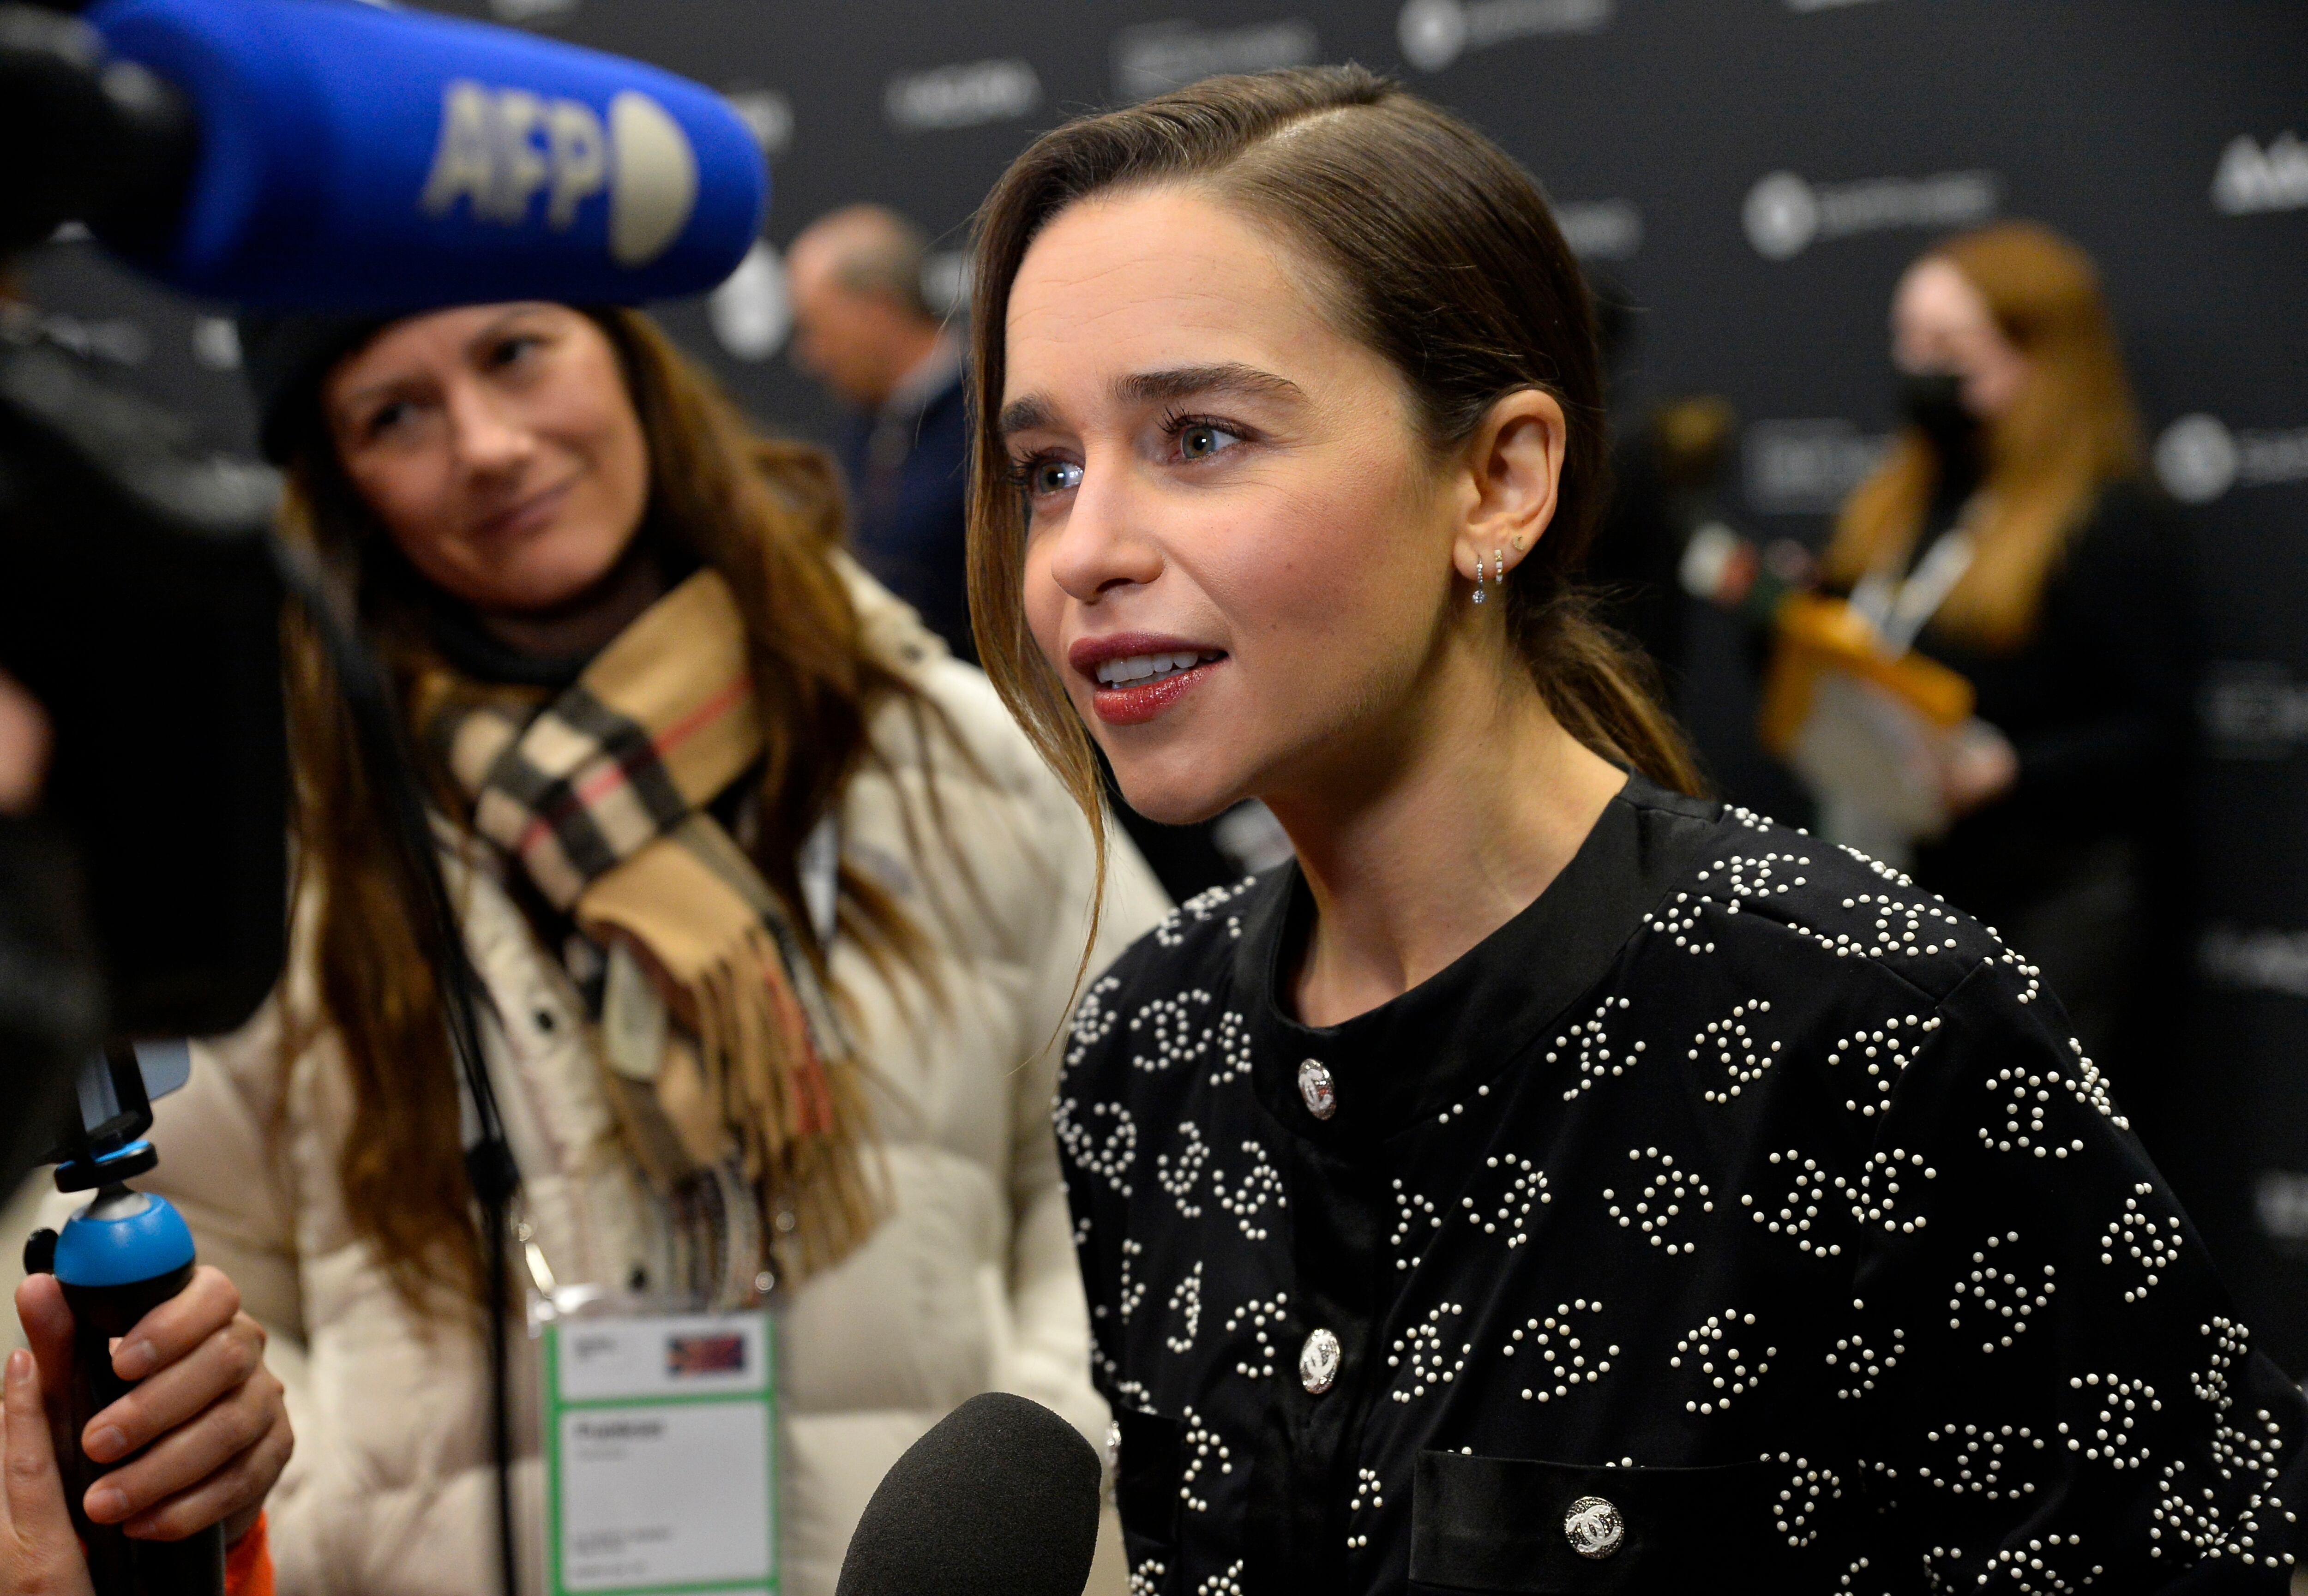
1138 700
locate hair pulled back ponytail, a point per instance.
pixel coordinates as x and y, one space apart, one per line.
1437 251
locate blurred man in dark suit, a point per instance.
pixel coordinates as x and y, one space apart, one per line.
864 327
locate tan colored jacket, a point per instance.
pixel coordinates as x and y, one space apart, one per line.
970 1285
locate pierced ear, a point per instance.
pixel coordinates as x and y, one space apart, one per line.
1487 561
1516 463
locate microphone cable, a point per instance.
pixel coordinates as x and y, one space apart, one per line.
389 765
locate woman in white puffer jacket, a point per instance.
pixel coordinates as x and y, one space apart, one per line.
566 550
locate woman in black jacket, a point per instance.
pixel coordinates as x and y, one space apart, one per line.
1549 1180
2010 534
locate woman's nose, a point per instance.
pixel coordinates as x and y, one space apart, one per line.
1108 539
486 438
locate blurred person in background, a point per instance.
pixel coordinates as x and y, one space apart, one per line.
777 912
2010 536
865 327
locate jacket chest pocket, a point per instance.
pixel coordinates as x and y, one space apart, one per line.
1511 1524
1150 1466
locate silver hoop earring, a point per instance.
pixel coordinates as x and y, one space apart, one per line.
1479 579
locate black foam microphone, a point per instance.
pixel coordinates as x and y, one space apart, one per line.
1000 1497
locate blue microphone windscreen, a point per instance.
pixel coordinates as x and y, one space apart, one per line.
358 158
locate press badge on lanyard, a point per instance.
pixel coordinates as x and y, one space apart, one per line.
660 1427
661 1454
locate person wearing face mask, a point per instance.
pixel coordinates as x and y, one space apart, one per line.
2009 536
777 915
1549 1180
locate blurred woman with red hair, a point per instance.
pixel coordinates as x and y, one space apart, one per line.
2008 536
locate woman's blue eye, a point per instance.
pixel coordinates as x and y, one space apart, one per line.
1201 440
1054 476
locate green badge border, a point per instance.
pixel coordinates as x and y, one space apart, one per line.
554 1407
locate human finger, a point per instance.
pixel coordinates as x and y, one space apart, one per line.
48 1323
231 1496
189 1452
39 1555
218 1366
173 1329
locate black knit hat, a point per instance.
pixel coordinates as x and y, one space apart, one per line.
284 359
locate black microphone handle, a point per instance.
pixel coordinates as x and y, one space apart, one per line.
118 1564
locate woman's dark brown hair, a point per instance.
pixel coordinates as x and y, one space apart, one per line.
764 515
1435 250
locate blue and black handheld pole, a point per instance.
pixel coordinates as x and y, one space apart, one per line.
117 1259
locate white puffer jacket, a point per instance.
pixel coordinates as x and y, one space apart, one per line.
969 1286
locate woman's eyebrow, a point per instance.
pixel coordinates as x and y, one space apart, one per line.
1185 382
1025 414
1033 412
480 342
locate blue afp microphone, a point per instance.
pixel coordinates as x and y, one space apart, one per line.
351 157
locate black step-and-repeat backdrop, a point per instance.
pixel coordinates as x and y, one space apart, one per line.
1753 175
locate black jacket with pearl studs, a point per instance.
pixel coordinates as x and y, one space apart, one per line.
1737 1217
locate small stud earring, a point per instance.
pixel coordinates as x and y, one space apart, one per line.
1479 579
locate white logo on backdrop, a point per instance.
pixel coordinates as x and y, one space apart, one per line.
1433 33
1806 467
1785 214
2196 459
2251 178
216 343
1781 216
2200 456
1155 57
2280 1199
528 11
2256 961
751 312
1601 229
2281 1202
969 95
769 114
115 339
1250 837
2253 710
946 280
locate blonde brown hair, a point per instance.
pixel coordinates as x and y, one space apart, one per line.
2071 430
766 515
1445 261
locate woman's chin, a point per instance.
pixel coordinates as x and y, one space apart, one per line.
1175 799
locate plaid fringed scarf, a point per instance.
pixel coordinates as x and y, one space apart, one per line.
601 795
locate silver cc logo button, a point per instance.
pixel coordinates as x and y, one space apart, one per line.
1316 1090
1318 1362
1594 1527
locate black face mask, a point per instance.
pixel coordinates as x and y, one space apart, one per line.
1933 402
